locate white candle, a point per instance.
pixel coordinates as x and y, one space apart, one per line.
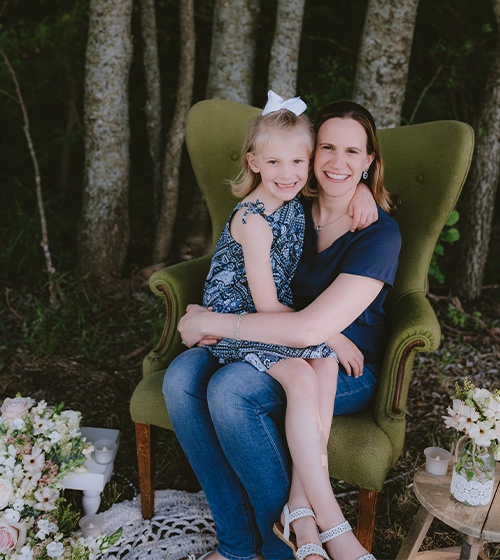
104 451
437 459
91 525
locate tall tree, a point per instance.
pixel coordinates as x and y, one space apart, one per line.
232 55
104 227
284 62
175 141
478 199
153 88
384 57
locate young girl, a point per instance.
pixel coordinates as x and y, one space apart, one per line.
252 267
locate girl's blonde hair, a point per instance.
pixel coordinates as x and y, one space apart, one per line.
351 110
258 134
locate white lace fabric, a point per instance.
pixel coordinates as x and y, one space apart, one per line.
182 527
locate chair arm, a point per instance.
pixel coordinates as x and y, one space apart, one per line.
180 284
414 328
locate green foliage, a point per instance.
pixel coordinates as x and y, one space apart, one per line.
448 236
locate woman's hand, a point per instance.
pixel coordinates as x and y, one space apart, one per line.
348 354
190 325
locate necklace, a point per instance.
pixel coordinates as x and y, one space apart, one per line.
318 228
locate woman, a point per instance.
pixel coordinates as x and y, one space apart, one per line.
230 421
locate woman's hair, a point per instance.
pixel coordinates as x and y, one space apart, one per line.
350 110
259 132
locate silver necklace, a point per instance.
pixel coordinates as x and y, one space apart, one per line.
318 228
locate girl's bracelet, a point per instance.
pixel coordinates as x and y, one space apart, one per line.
237 330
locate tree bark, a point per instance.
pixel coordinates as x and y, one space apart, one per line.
384 57
284 60
104 227
173 151
153 88
478 199
232 55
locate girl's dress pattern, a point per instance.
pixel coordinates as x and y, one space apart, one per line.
227 290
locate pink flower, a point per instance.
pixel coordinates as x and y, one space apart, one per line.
15 408
46 499
12 535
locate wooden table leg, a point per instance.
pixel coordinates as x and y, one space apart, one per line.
415 535
470 548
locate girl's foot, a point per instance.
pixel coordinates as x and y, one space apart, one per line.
342 544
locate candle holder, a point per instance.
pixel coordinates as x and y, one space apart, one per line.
104 451
436 460
91 525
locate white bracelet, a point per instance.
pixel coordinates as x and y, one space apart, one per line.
237 330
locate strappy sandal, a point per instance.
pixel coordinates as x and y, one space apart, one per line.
284 534
338 530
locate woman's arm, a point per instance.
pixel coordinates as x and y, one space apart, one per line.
329 314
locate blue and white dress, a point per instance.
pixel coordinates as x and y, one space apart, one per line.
227 290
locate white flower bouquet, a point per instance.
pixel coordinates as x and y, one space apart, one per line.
475 413
39 446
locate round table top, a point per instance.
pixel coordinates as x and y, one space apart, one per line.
433 492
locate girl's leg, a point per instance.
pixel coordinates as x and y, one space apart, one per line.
248 412
185 391
308 449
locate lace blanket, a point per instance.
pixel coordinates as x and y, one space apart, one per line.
181 528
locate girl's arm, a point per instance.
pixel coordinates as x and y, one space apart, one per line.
255 238
362 208
328 315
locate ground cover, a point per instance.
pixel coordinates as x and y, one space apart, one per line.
89 355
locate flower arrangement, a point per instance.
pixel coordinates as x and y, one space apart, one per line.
39 446
476 414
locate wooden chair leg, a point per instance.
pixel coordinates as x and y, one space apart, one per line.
366 517
145 463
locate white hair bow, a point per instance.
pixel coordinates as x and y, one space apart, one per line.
275 103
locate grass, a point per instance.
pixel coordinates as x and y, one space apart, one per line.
88 354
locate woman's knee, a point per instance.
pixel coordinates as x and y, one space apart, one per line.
188 373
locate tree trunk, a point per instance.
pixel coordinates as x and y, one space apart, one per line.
284 61
232 55
383 59
173 151
104 227
478 199
153 87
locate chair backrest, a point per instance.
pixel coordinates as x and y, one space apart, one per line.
425 164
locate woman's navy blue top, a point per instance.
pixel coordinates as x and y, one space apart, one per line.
371 252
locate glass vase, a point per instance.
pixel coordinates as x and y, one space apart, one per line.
473 474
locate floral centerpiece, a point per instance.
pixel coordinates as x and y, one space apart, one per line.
39 446
475 413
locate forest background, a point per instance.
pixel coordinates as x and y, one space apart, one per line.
76 314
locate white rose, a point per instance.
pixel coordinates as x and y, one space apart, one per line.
6 493
12 535
15 408
55 549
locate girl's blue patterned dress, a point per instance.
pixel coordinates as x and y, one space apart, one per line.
227 291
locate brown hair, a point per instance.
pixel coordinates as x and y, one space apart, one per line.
258 133
345 109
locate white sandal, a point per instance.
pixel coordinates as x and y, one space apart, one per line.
338 530
283 533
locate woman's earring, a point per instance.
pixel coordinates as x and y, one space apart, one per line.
365 174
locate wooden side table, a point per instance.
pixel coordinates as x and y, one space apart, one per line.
478 525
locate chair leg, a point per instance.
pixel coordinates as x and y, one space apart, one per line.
145 463
366 517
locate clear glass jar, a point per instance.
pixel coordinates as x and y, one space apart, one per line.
473 474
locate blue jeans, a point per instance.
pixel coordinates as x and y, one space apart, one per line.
230 422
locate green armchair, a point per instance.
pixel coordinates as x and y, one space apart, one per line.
426 164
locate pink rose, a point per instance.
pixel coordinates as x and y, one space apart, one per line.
15 408
12 535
